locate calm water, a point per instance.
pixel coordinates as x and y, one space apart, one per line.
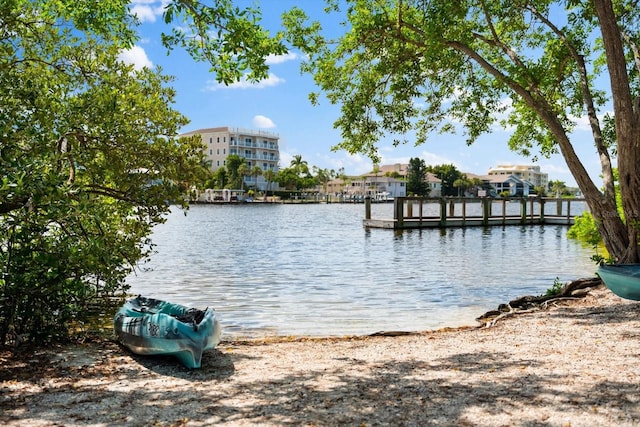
314 269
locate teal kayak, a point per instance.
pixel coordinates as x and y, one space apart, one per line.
150 326
622 279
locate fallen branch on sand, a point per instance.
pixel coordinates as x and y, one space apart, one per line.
570 291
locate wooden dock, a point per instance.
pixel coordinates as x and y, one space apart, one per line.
441 212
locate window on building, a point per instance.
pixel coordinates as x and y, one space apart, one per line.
210 152
210 140
218 141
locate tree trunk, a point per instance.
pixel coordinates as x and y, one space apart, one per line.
627 127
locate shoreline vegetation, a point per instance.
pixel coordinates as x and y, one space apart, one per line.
568 360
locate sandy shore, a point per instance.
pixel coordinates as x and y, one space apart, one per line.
573 364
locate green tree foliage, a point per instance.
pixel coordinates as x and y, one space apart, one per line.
242 171
540 190
300 166
255 172
416 178
236 170
558 188
88 153
585 230
218 179
288 178
407 66
89 162
323 176
448 175
298 175
270 176
462 185
227 37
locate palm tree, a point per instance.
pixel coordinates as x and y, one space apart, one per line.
324 176
558 187
301 167
255 172
243 170
270 176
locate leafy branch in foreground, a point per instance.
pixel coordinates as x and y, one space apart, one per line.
90 162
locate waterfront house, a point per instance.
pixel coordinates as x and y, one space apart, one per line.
379 186
400 170
510 184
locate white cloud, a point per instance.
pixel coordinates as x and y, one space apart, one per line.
279 59
270 81
137 57
148 10
554 169
432 159
263 122
285 159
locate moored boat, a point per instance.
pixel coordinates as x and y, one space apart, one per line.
622 279
155 327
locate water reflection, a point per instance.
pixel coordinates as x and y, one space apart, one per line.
314 270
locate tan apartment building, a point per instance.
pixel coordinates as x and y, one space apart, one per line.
258 148
530 173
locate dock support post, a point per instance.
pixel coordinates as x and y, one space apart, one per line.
367 207
523 211
443 212
541 209
531 209
486 208
398 211
464 211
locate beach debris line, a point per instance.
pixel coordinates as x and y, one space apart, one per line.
575 289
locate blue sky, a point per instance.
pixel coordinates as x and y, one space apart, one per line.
280 105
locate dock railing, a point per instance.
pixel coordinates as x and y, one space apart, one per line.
440 212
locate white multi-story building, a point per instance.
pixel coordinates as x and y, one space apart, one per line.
530 173
258 148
